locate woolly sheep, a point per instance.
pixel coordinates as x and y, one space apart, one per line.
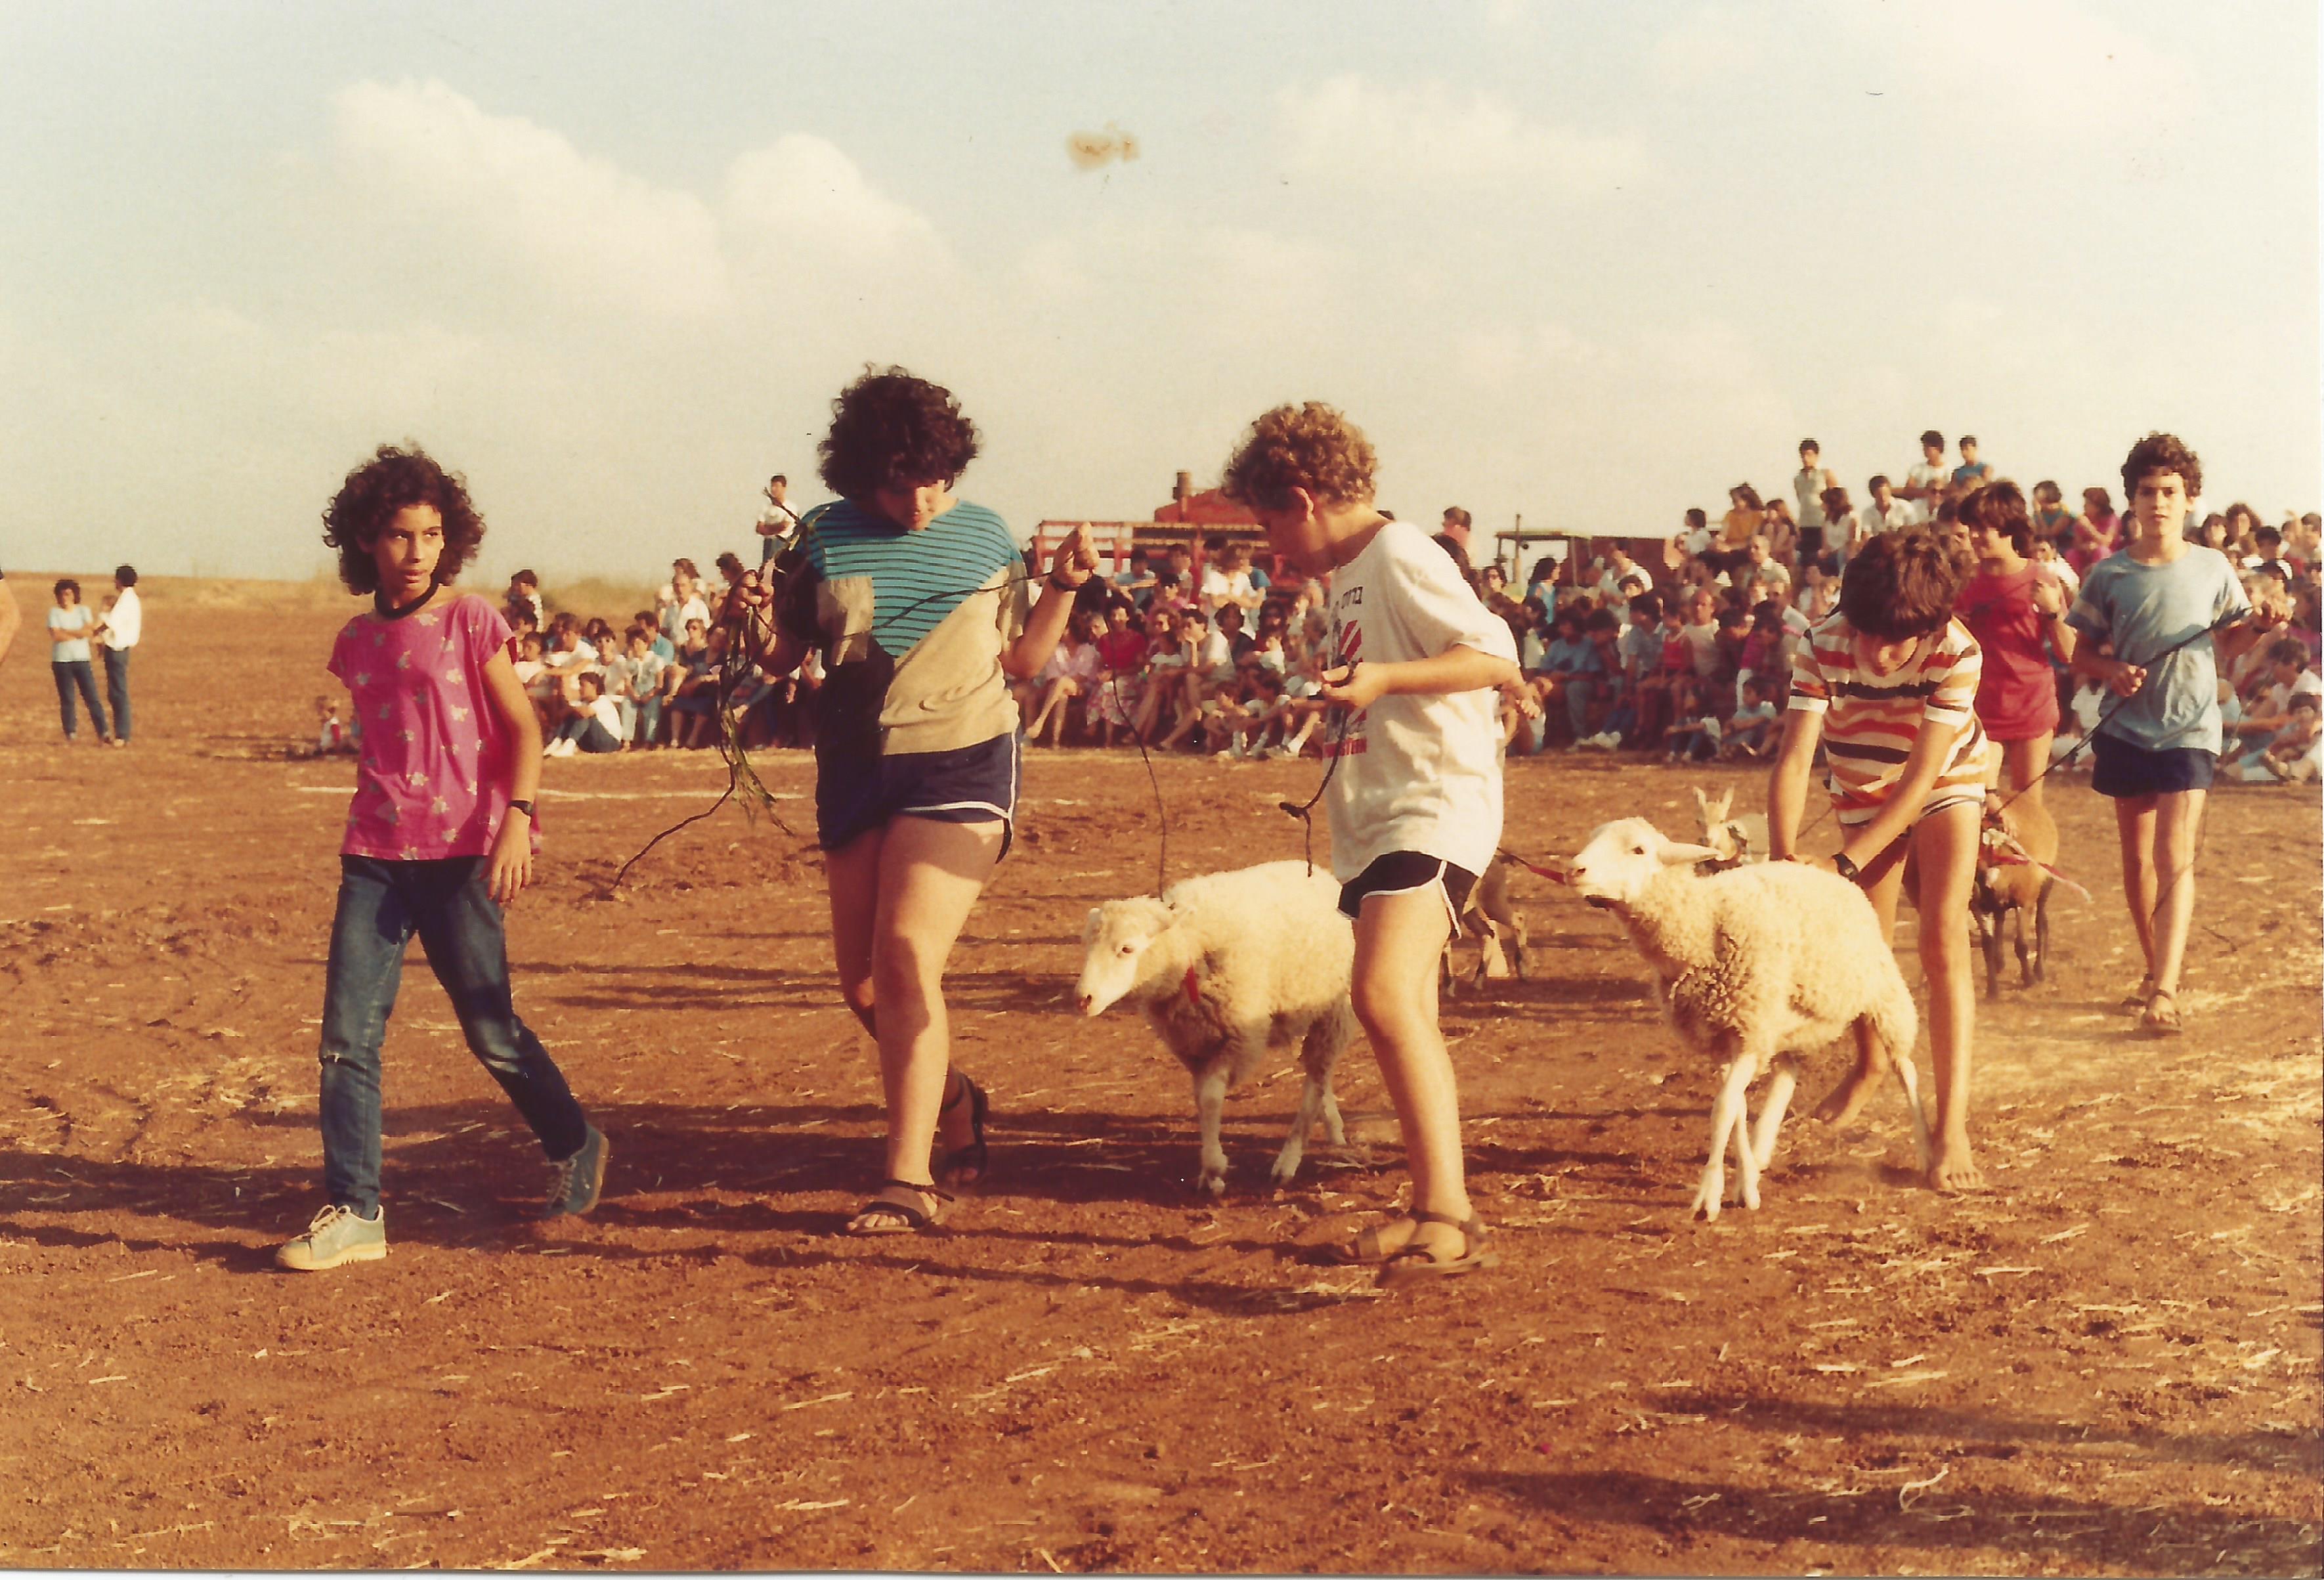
1225 967
1756 965
1492 916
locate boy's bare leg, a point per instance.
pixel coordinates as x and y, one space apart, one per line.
2135 820
2178 818
1399 939
1947 843
1883 880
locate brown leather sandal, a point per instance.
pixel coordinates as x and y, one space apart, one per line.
899 1209
2160 1018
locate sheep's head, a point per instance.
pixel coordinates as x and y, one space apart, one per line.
1623 857
1114 941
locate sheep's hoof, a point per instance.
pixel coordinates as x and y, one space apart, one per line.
1211 1183
1282 1175
1708 1199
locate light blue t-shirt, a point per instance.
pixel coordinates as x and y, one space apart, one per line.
81 618
2146 611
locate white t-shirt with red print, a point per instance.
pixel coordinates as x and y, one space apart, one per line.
1417 773
433 780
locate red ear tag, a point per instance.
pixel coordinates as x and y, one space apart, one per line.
1194 988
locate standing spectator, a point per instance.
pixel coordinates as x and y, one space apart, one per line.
1457 523
122 627
2017 613
1972 472
1887 512
1809 484
777 521
70 624
2096 530
1847 531
10 618
1925 484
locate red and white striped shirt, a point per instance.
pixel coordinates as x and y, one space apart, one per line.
1871 721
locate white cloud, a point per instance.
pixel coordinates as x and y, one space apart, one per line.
538 205
1361 133
803 197
520 200
1716 44
2014 64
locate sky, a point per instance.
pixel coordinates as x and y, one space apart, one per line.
1588 264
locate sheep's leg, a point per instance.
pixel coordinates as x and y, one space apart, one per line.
1725 1113
1771 1115
1516 955
1295 1145
1333 1131
1491 960
1209 1106
1900 1059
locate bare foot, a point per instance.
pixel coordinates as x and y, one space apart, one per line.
1847 1097
1955 1169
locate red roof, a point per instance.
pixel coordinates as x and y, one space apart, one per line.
1209 508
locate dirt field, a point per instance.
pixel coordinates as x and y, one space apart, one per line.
2108 1363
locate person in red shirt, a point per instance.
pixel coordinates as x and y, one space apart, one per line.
2017 612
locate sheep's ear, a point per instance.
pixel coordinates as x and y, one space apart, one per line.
1688 855
1089 927
1702 802
1726 799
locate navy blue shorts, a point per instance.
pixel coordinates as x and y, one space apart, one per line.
1400 872
2127 770
975 784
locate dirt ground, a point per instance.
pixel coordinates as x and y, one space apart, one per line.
2105 1363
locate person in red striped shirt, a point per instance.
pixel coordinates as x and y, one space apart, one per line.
1887 684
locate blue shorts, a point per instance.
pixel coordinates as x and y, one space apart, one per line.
974 784
1404 872
2126 771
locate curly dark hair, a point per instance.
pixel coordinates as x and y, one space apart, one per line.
1901 585
889 429
2161 452
392 480
2000 507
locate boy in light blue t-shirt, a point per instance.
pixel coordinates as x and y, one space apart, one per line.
2171 612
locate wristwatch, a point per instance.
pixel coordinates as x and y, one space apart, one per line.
524 806
1843 866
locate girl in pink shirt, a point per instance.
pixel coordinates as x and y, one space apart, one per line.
438 838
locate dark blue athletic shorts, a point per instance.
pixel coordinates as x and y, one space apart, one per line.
2126 770
1400 872
975 784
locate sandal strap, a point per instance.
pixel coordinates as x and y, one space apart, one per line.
940 1195
1471 1227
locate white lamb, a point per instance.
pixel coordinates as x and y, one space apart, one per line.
1225 967
1756 965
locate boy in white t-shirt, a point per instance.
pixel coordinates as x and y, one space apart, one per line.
1416 802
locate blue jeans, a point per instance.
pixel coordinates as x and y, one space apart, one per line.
382 903
649 727
116 688
77 675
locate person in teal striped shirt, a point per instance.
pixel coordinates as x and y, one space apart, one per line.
922 607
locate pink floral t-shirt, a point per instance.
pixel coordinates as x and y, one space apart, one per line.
433 780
